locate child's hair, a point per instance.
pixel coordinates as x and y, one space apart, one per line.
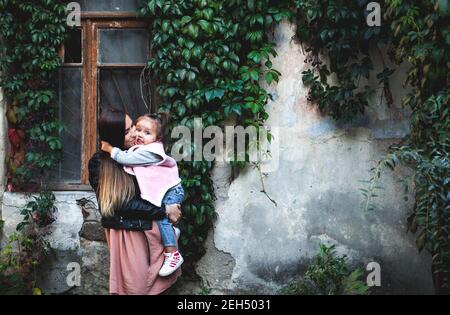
162 120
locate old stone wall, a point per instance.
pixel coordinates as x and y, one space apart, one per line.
257 246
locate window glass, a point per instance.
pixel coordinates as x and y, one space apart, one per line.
69 169
72 46
123 46
120 88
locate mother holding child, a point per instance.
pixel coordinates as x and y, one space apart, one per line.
139 194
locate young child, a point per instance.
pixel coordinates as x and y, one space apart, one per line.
159 182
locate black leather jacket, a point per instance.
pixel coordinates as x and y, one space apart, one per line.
136 215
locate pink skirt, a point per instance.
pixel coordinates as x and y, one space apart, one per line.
135 260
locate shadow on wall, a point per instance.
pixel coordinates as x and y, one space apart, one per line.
363 237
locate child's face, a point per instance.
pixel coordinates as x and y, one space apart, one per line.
146 131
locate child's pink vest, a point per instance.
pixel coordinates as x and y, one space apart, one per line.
156 179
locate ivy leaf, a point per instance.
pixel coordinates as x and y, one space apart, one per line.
181 110
165 25
226 65
420 241
208 13
186 54
171 91
215 93
205 26
16 136
251 5
186 19
152 6
255 56
193 31
254 74
197 52
191 76
190 44
269 77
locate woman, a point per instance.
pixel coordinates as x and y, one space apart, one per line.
134 242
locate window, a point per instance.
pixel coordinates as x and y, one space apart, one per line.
103 66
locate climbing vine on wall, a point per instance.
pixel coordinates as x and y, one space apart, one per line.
420 34
31 33
339 33
339 39
208 58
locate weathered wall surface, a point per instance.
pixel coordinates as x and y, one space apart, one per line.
75 237
255 246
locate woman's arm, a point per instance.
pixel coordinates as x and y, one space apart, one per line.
172 212
137 207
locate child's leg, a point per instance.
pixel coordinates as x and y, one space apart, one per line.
175 195
167 235
172 257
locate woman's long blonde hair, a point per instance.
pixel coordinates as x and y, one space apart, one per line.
115 187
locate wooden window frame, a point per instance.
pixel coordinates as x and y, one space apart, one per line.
91 23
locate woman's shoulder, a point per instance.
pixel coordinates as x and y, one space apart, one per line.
95 160
94 169
96 157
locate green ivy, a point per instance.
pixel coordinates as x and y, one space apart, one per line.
414 32
208 59
40 211
329 274
25 251
32 32
338 30
421 36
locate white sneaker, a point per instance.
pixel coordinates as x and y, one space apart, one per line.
177 232
172 261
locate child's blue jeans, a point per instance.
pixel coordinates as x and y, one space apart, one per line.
173 196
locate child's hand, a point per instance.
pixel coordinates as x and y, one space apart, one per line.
106 147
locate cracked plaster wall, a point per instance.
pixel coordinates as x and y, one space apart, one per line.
256 246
